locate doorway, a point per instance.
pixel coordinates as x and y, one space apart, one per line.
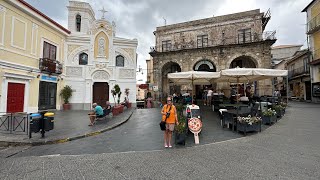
15 97
308 90
47 95
100 93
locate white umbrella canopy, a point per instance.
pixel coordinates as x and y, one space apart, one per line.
193 77
249 74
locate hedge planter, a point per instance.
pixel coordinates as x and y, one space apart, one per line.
244 127
279 113
180 138
269 119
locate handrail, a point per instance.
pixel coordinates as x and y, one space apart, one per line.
238 39
313 24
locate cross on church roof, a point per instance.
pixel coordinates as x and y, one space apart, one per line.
103 11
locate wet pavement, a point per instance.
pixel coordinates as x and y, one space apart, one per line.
290 149
67 125
140 133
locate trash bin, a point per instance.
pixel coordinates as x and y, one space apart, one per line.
48 121
35 122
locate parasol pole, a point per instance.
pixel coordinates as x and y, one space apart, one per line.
192 89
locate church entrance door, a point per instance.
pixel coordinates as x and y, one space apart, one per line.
100 93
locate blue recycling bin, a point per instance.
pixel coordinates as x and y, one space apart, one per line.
35 119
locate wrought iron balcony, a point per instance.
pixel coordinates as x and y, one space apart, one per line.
239 39
50 66
298 72
316 54
313 25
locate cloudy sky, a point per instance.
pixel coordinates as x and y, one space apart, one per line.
139 18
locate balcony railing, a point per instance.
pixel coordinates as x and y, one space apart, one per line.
313 25
238 39
298 72
50 66
316 54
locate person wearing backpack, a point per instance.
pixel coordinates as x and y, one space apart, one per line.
169 115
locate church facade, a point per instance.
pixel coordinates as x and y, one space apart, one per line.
97 59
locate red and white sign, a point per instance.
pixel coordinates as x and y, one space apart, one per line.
144 86
195 125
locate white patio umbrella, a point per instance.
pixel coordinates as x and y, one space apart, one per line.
193 78
249 74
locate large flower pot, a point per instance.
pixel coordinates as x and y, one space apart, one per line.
245 127
116 110
121 108
129 105
269 119
66 107
180 138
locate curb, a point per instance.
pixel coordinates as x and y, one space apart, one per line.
58 141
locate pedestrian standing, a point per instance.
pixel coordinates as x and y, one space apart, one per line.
169 115
209 97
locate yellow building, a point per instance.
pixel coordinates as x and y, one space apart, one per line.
313 32
31 49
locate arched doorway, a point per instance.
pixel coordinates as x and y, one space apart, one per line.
100 87
167 87
100 93
243 88
243 62
208 66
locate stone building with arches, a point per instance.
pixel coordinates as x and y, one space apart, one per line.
212 44
97 59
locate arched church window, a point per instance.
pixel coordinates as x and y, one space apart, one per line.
120 61
78 23
83 59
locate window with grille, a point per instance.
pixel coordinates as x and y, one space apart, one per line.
83 59
244 35
120 61
166 45
78 23
202 41
49 51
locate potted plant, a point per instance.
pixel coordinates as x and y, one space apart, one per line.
66 93
269 116
115 93
181 131
248 124
126 92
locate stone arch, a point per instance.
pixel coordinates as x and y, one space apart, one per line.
167 87
204 63
250 56
128 62
100 76
172 61
74 55
243 62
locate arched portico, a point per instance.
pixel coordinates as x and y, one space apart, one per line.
167 87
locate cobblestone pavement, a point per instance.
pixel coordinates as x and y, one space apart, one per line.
289 149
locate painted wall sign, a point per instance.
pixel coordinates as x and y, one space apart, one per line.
49 78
